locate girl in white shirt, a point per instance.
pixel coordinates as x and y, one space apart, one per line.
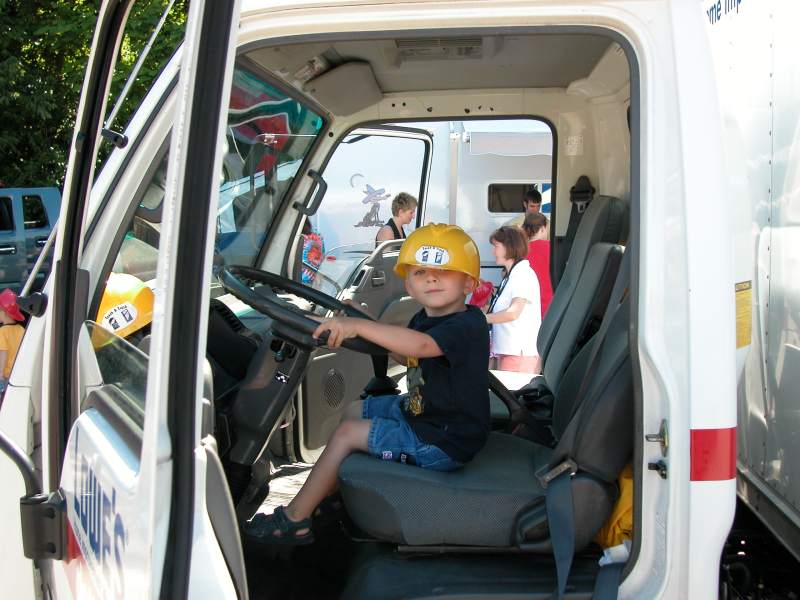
515 314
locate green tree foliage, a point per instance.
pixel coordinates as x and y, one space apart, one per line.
44 48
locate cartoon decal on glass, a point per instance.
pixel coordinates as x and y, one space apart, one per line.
373 197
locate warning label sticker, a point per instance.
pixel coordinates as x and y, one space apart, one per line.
744 313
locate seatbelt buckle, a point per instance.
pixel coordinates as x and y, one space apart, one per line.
581 205
568 466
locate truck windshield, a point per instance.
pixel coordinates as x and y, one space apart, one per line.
268 135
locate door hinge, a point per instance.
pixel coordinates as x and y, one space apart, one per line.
44 525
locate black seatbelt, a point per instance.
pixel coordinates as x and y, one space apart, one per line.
594 317
558 481
580 195
617 294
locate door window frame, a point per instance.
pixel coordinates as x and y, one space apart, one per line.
71 285
202 133
425 136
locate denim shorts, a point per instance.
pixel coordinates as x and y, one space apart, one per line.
392 438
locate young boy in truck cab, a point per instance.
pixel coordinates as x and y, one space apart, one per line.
444 419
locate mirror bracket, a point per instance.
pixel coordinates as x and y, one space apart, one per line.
44 525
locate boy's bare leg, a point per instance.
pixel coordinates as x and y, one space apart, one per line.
350 436
353 411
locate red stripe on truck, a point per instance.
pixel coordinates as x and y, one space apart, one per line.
713 453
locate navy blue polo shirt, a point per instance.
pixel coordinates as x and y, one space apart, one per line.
455 391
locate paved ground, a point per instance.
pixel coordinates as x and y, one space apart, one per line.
284 485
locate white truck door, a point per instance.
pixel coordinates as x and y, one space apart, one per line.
123 463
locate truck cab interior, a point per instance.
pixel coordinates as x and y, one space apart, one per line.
274 395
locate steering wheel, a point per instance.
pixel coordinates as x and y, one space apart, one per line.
289 321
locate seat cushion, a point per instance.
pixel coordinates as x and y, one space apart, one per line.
476 505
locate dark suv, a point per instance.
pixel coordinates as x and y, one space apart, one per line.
26 217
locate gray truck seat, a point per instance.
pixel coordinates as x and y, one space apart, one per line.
605 220
586 305
496 500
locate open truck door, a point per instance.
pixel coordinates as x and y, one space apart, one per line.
120 507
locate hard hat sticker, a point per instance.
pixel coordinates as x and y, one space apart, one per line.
119 317
432 255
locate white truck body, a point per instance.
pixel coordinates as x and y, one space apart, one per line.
757 74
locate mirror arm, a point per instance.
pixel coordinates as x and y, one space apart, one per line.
33 486
42 516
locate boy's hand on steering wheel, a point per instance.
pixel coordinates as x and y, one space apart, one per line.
339 328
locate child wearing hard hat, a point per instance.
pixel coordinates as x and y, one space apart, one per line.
444 419
11 333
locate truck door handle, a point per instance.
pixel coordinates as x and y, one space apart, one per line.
379 279
40 242
8 249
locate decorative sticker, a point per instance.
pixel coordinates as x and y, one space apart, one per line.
433 256
372 197
744 313
119 317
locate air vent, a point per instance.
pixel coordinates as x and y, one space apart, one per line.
333 388
440 48
226 313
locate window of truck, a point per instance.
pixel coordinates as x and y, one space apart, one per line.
267 138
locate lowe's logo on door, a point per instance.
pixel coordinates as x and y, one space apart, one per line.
98 527
432 256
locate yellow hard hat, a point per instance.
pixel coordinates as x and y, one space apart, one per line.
127 305
440 246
